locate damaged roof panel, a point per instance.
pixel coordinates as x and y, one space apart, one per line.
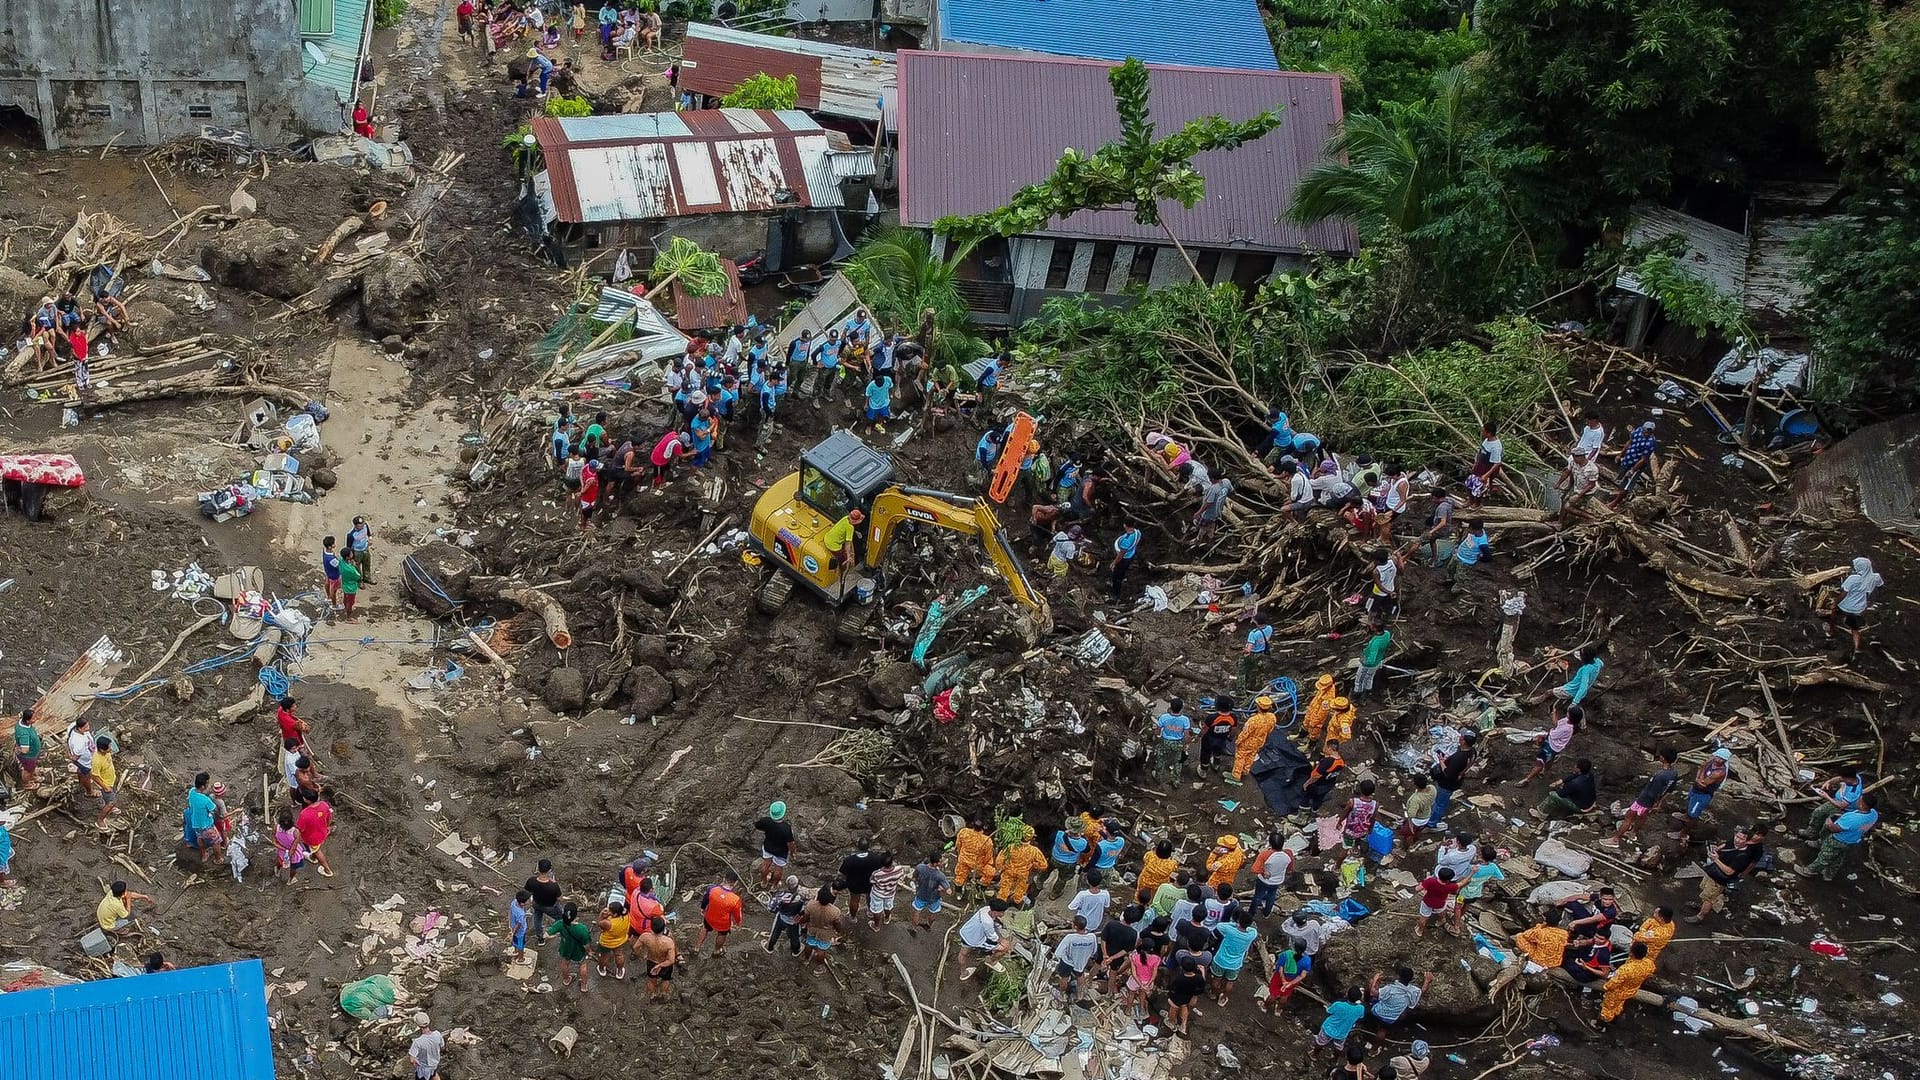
643 166
836 79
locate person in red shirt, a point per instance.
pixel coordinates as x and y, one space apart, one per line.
465 14
314 824
291 726
589 493
362 121
1436 896
671 448
722 912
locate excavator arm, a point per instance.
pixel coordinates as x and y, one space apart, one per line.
962 514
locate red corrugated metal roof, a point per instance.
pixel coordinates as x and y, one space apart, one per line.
727 308
974 129
640 166
717 68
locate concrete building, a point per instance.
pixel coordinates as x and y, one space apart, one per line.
1008 118
87 74
733 181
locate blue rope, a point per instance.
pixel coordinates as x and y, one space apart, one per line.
419 573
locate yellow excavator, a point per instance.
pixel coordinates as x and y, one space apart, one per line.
842 474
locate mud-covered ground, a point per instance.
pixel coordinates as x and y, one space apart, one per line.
737 707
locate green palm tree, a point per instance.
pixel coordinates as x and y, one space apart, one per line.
1382 170
896 272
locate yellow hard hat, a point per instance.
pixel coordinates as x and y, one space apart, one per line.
1263 702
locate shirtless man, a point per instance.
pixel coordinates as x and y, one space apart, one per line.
821 925
659 956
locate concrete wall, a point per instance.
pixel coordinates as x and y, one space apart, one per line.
95 71
734 236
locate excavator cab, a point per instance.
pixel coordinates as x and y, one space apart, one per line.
837 476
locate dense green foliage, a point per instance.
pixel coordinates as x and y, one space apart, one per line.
388 13
1864 270
1385 51
908 287
558 105
764 91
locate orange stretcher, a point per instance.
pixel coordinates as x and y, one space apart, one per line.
1019 439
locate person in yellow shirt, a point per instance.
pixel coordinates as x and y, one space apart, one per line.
105 777
1545 943
1314 723
1253 737
973 860
615 927
1340 717
115 912
1223 863
1625 982
1157 868
1656 931
1018 867
840 538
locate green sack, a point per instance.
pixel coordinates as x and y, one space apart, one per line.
369 998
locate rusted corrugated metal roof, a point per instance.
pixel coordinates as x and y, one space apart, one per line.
1760 268
835 79
975 129
1715 255
643 166
1875 470
725 308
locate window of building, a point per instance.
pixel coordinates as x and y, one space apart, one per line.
1060 265
100 112
1250 269
1208 263
200 112
1100 268
1141 271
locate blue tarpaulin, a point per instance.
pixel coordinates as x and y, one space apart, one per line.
203 1023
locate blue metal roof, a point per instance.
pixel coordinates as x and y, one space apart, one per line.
204 1023
1194 33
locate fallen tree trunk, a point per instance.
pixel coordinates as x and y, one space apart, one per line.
194 384
352 224
552 615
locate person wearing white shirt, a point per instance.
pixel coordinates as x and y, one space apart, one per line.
1592 436
981 933
1072 955
1091 902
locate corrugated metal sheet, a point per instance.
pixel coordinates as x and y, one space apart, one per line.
725 308
644 166
1761 270
341 70
835 79
1196 33
1875 471
975 129
1716 255
1774 288
204 1023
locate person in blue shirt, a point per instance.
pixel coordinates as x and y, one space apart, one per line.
1279 438
1342 1015
826 359
703 428
1585 663
1306 447
1845 840
986 452
1471 551
799 357
1170 750
562 437
1839 795
1254 657
881 361
859 327
1063 860
1125 547
989 383
1230 955
1108 848
879 401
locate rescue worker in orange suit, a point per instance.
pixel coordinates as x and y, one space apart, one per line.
1339 727
1314 723
973 861
1625 982
1019 865
1253 737
1224 861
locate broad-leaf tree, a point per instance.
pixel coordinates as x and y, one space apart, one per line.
1137 170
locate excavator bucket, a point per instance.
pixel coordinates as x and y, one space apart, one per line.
1019 439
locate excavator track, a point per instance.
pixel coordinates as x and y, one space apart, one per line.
773 593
